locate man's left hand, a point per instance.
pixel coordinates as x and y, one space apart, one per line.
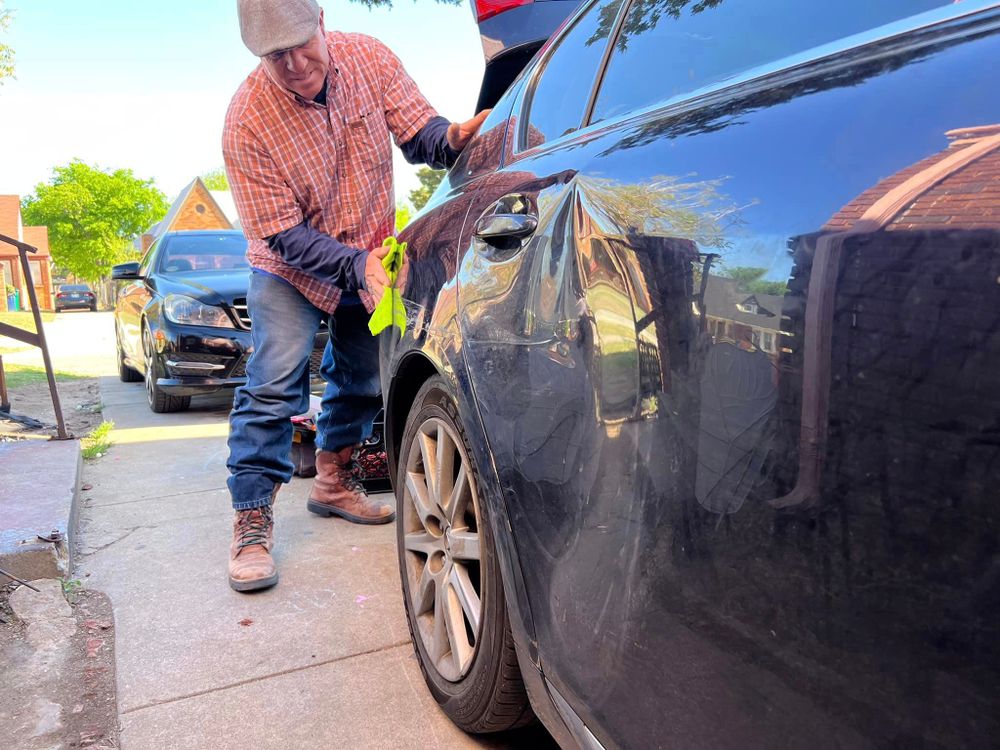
460 133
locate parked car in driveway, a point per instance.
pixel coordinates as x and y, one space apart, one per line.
695 427
75 297
181 320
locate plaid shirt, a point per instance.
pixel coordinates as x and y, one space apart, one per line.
290 160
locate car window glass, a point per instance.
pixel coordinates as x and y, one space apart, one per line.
668 48
147 259
563 89
204 252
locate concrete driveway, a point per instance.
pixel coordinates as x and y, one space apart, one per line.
322 660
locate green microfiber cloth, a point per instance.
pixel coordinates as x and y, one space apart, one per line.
389 310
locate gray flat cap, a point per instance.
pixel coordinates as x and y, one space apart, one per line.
271 25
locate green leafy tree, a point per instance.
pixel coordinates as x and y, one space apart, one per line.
216 179
6 52
92 216
751 279
429 180
403 216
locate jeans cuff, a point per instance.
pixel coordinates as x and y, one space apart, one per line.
251 504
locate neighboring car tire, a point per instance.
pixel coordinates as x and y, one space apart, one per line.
159 401
474 676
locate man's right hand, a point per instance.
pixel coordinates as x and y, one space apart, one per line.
376 279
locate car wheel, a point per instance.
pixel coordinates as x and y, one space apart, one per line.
452 587
159 401
126 374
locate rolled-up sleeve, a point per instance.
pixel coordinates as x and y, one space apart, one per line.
264 200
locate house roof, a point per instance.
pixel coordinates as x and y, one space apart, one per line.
965 198
165 224
224 200
723 298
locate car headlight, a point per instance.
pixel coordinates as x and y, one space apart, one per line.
181 309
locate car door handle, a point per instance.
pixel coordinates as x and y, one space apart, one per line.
494 227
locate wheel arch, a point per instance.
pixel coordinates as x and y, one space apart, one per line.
413 371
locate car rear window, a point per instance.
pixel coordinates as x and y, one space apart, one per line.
562 91
74 288
204 252
669 48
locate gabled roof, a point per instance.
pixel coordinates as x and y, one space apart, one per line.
723 298
196 185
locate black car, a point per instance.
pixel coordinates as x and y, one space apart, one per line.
75 297
512 31
695 427
181 322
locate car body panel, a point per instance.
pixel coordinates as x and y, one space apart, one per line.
743 515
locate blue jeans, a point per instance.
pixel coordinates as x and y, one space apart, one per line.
277 389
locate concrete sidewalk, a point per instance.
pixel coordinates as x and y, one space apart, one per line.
322 660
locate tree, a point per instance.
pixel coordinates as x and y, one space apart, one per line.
92 216
751 279
6 53
429 180
216 179
403 216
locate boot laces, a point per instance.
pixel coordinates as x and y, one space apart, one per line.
253 526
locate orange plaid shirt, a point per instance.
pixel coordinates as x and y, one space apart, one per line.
290 160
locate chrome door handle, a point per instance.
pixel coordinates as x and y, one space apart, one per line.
494 227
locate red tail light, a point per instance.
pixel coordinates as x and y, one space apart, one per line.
489 8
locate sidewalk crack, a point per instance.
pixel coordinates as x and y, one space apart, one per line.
241 683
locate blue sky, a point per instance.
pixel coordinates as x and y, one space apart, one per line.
144 84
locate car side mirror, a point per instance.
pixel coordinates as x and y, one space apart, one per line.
125 272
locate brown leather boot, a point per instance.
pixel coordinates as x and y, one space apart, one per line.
336 492
250 563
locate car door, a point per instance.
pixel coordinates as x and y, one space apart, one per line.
714 381
133 297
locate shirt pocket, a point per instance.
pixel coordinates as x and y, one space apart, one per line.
368 146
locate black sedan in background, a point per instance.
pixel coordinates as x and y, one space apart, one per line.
75 297
695 427
181 319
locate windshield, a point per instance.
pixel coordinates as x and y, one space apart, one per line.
204 252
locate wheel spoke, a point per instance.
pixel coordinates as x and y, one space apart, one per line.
439 637
428 453
467 596
422 542
423 598
444 466
415 483
459 499
461 649
464 545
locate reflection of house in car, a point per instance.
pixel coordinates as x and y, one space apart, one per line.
739 316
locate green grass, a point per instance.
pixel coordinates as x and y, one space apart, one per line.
25 320
20 375
98 441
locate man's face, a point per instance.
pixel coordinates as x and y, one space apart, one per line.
302 69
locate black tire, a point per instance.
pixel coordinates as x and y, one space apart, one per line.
158 401
490 696
126 374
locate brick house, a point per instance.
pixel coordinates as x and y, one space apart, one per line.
196 207
41 262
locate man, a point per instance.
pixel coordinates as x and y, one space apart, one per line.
307 150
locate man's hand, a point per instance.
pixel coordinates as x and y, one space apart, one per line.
460 133
376 279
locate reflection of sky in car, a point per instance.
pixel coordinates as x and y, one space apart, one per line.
205 253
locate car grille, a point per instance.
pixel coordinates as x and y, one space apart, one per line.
242 314
315 360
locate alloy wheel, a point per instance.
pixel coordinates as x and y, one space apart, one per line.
149 360
442 547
